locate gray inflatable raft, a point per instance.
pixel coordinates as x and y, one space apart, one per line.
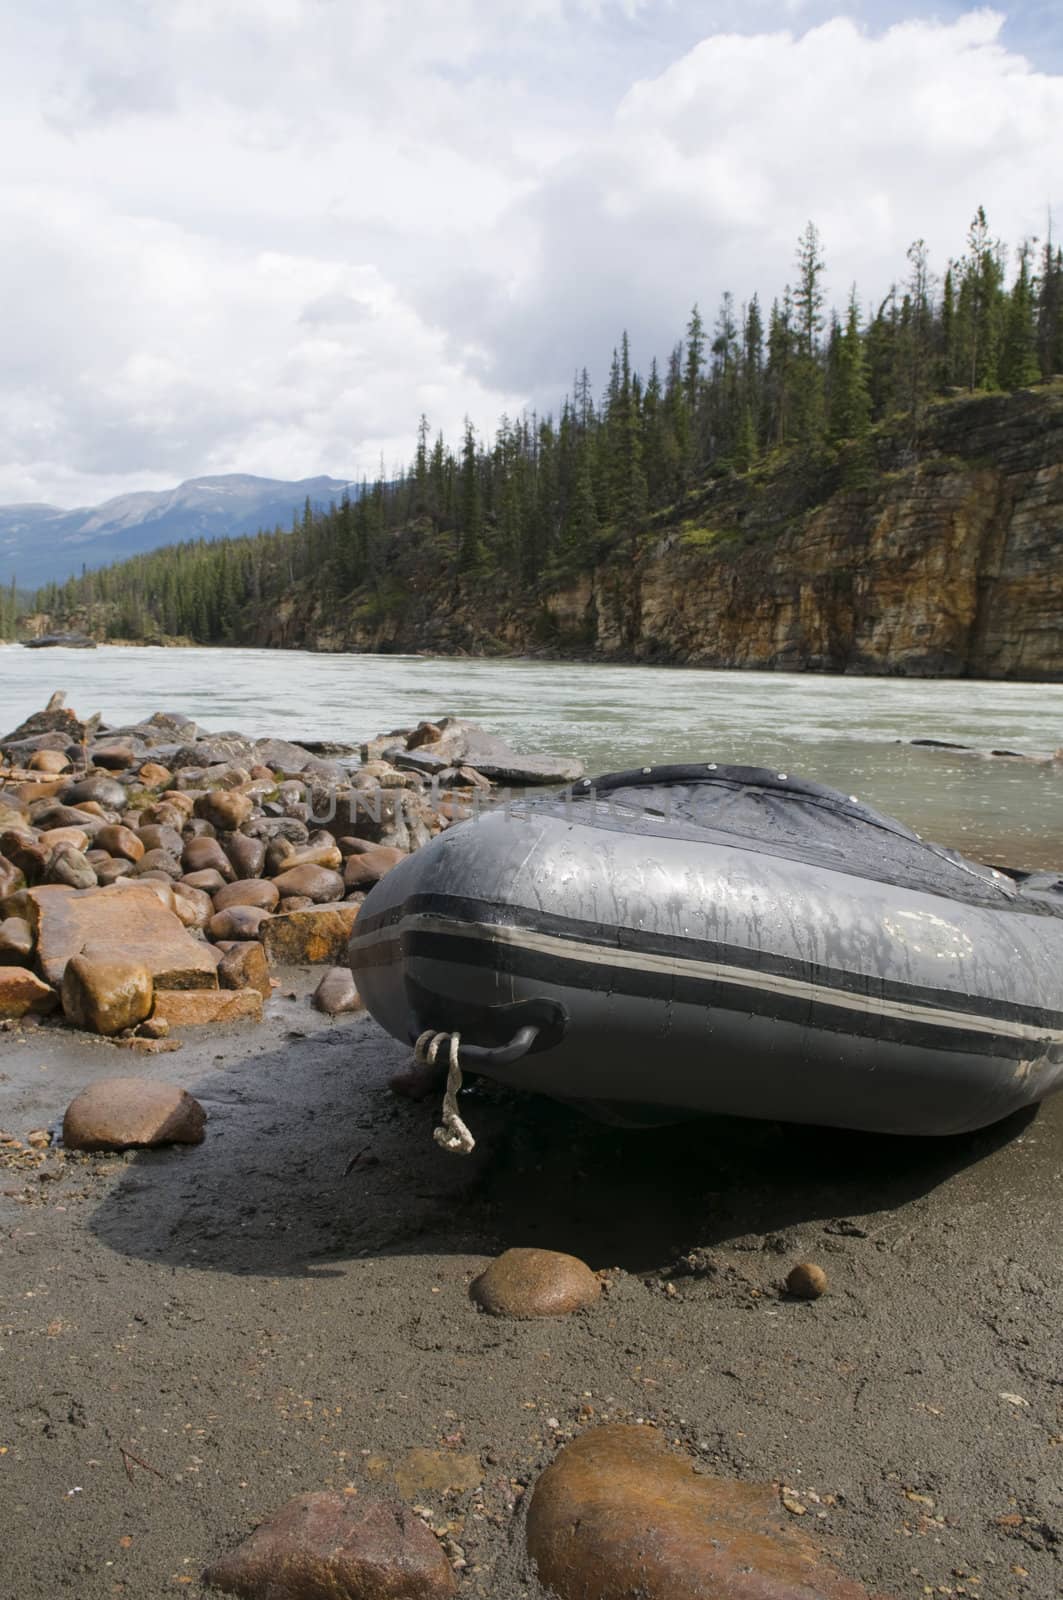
724 939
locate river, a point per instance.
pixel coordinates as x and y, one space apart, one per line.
852 733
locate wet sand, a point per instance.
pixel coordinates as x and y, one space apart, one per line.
190 1336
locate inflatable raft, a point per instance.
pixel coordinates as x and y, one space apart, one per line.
728 940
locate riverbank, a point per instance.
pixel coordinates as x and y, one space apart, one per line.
194 1335
198 1332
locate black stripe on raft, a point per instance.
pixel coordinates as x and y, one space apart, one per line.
463 910
561 972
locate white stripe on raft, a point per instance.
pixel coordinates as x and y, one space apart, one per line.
683 966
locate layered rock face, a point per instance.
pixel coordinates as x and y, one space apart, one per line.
934 549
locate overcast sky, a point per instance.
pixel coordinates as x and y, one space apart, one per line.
265 235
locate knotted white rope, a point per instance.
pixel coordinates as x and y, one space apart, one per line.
452 1134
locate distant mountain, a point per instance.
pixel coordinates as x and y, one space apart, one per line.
39 542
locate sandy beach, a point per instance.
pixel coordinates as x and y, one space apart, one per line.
192 1335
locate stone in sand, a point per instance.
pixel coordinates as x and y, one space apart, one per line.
327 1545
117 1113
244 966
535 1283
106 994
807 1281
617 1514
22 991
203 1008
316 935
50 761
337 994
153 776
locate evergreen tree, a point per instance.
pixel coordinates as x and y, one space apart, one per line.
1019 365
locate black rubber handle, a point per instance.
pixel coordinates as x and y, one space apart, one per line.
500 1055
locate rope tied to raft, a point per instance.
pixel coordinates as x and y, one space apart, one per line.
452 1134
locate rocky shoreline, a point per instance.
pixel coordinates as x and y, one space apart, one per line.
151 875
263 1337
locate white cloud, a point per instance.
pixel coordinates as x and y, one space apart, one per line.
264 236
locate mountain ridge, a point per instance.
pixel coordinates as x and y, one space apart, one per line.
40 542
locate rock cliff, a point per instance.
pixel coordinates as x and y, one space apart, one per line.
934 549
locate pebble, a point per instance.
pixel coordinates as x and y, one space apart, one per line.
525 1283
806 1281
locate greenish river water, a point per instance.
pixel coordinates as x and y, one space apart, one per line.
852 733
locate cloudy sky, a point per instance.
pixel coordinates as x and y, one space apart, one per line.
265 235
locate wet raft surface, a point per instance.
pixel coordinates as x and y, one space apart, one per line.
251 1323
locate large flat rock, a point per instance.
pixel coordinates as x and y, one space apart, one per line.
118 923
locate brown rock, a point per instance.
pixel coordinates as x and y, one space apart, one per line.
70 867
159 836
188 1008
126 917
283 856
99 788
116 1113
120 841
16 942
244 966
106 995
424 733
153 776
159 861
110 871
368 867
295 902
336 994
112 757
618 1515
11 878
160 885
224 809
238 922
48 761
22 991
807 1281
535 1283
247 892
327 1546
178 800
248 856
200 855
30 859
209 880
319 884
192 906
317 935
75 837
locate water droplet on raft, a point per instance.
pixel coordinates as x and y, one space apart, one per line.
712 766
782 777
646 771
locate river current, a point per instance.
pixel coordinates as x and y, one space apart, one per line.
852 733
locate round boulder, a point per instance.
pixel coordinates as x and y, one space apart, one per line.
118 1113
535 1283
238 922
